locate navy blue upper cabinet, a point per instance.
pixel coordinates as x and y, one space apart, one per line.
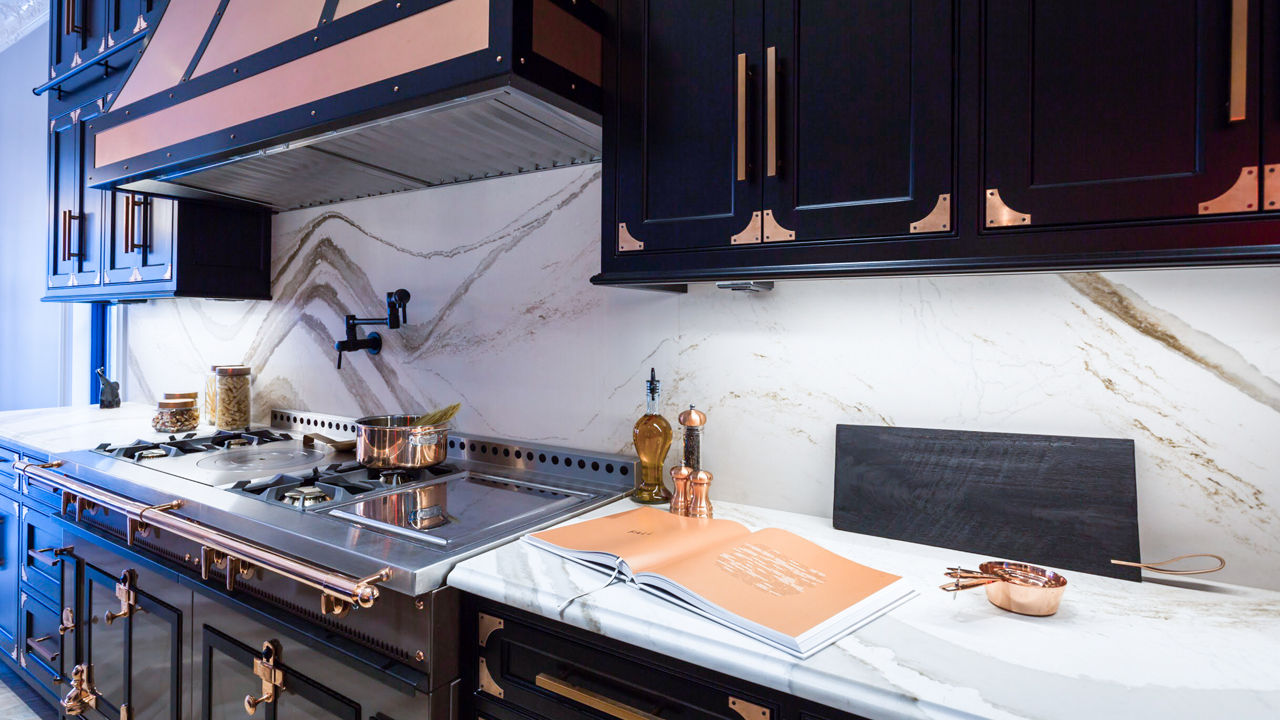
75 233
858 130
883 137
1100 111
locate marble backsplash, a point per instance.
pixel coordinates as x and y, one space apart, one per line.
503 318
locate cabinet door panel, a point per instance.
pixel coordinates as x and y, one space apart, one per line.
106 643
1101 111
75 235
861 128
677 154
140 238
9 542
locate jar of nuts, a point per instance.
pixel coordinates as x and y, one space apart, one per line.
176 415
231 383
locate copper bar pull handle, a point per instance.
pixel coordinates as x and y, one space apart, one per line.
139 234
771 110
66 236
742 116
128 223
68 17
1239 59
593 700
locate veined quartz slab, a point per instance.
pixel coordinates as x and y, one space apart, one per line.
80 427
1115 649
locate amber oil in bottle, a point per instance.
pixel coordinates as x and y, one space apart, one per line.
652 438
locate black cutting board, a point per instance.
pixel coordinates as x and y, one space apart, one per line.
1065 502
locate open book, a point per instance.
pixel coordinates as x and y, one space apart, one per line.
770 584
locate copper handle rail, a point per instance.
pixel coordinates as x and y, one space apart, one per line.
338 590
741 101
771 110
1239 60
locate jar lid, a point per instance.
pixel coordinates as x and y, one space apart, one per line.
692 418
176 404
232 369
181 396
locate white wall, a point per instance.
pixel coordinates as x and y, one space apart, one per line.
503 318
32 340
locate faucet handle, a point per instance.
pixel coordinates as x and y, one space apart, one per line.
397 307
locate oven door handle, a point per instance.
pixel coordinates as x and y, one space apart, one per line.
339 591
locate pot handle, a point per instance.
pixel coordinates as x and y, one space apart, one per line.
310 440
420 439
1154 567
971 579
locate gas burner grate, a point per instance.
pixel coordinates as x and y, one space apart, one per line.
140 450
340 482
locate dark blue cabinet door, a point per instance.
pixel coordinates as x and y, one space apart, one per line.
75 232
78 30
9 542
1099 111
140 238
687 169
858 107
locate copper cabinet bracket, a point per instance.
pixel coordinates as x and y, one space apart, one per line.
126 595
82 696
1240 197
750 234
1001 215
626 241
488 625
1271 188
749 711
334 606
272 677
773 232
938 219
137 526
486 681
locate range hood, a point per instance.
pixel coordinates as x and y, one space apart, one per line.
298 103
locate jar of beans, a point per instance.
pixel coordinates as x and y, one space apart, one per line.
176 415
231 384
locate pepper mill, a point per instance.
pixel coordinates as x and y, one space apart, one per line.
692 420
699 495
680 481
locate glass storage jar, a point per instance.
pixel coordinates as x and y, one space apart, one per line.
231 383
176 415
211 396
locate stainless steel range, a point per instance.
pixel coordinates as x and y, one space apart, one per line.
283 519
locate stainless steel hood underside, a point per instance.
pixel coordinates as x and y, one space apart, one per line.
504 131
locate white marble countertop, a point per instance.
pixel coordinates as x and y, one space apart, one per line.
1115 649
79 427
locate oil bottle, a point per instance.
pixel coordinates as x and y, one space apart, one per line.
652 438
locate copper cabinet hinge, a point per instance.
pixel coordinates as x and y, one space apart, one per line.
750 234
938 219
1001 215
487 683
749 711
1271 188
626 241
772 231
488 625
1242 196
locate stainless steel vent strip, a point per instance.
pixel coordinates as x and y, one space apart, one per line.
338 586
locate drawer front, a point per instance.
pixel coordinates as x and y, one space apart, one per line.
550 675
41 491
8 476
41 567
41 651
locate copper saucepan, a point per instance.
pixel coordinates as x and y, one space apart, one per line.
394 441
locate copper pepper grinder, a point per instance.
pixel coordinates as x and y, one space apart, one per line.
684 477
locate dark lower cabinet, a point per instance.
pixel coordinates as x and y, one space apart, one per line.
10 535
523 667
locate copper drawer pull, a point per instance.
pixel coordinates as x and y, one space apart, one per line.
742 116
771 110
69 16
591 699
52 562
128 223
1239 60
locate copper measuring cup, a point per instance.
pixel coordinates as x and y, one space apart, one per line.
1016 587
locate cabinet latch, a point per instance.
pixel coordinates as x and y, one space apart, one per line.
272 677
126 595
